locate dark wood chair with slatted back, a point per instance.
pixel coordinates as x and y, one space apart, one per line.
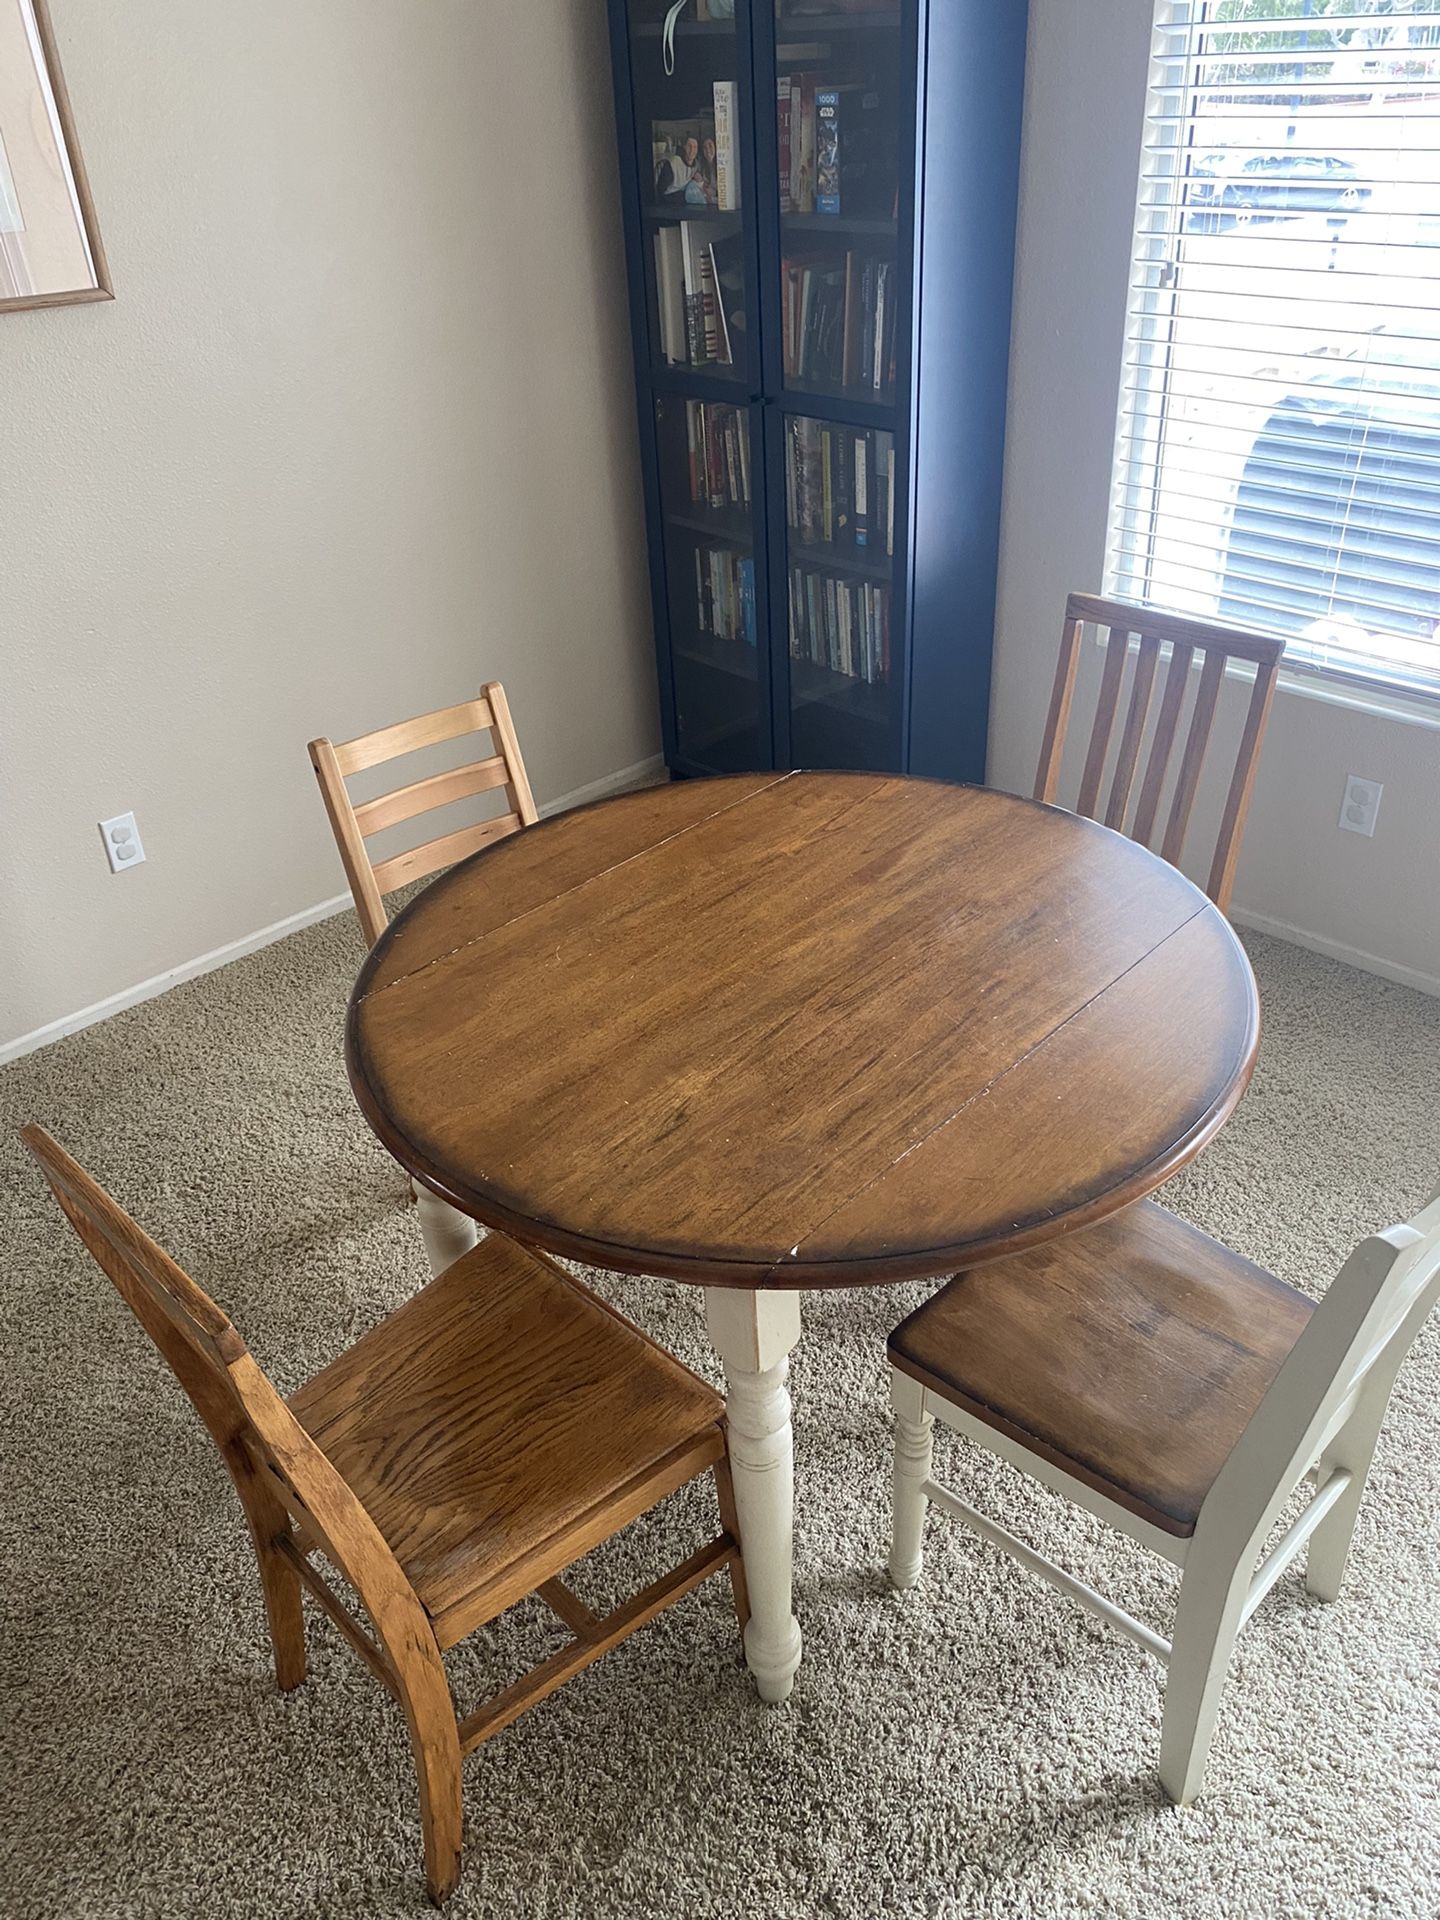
456 1459
1181 1394
354 825
1186 638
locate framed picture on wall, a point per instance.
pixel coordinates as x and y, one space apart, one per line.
50 251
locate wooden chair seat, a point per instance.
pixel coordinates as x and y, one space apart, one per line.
500 1424
1131 1355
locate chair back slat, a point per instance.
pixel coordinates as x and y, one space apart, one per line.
1197 741
1116 652
389 809
1186 638
1139 712
444 852
408 736
353 825
1358 1336
1162 743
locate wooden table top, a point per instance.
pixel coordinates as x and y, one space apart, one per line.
802 1029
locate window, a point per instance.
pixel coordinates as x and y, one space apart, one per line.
1278 454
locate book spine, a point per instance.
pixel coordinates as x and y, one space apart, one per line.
747 601
805 182
827 489
862 494
694 413
709 305
782 122
742 436
694 296
727 178
827 150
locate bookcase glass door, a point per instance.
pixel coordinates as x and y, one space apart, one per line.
840 94
844 624
689 78
709 485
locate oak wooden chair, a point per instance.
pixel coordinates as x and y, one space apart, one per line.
354 825
1186 638
1183 1395
456 1459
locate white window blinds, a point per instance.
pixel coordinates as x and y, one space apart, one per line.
1278 455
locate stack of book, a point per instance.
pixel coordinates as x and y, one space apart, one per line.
840 624
725 593
838 315
840 486
699 294
718 441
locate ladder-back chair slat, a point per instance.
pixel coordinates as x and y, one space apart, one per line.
1134 733
438 790
1197 740
1116 652
1185 637
1058 718
444 852
408 736
353 825
1162 745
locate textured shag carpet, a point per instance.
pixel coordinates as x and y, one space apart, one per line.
977 1747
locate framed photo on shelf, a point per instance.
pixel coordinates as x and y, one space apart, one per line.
50 251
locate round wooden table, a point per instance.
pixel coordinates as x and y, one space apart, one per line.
797 1030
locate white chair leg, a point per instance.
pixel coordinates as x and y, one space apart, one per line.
1328 1548
1206 1623
914 1446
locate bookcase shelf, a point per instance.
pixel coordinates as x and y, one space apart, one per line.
832 226
827 154
798 26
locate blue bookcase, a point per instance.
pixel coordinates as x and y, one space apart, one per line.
819 204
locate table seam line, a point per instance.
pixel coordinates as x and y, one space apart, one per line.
781 1266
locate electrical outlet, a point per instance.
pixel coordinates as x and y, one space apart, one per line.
1360 804
122 842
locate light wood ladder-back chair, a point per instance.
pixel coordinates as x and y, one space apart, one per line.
1183 1395
1185 638
353 825
456 1459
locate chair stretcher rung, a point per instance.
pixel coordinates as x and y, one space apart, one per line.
1001 1537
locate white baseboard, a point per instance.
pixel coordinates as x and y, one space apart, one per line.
639 775
1337 950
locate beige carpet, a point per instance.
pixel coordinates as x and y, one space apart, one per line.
978 1747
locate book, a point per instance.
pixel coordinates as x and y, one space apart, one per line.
694 296
727 160
782 118
827 149
670 294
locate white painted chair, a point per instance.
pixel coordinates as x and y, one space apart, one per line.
1181 1394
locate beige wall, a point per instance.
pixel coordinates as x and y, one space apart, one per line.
356 433
1085 101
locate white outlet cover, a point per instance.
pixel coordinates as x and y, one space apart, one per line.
123 847
1360 805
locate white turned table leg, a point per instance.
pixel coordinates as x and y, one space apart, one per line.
447 1234
753 1334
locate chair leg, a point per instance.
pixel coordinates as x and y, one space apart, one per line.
280 1584
730 1521
435 1744
1328 1548
914 1443
1206 1623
